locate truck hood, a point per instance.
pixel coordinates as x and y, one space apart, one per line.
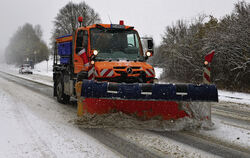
121 64
115 68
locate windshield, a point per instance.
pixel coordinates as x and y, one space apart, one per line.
115 44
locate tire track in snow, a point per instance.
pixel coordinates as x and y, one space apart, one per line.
21 117
233 113
208 144
118 144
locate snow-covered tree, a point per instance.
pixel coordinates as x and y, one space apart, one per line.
184 46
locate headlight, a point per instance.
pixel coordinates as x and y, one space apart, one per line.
95 52
148 54
92 62
205 62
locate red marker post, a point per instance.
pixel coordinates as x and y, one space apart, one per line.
207 68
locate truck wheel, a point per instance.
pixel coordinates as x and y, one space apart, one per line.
61 96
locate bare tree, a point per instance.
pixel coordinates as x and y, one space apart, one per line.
66 19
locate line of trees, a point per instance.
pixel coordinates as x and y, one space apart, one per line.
26 45
184 46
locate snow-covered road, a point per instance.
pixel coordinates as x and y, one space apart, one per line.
33 125
50 121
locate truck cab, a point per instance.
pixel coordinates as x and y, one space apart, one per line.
101 52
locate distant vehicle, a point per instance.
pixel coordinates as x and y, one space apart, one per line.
25 69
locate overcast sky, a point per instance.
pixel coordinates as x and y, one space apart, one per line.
149 17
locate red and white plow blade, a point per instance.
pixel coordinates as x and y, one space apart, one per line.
141 114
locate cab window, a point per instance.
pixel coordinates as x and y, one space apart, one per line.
81 40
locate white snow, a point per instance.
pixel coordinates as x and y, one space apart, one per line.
235 97
158 72
160 144
17 139
40 73
33 125
44 68
229 133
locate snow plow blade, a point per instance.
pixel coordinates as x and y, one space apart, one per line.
145 101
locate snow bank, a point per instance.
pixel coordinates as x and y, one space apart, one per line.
44 68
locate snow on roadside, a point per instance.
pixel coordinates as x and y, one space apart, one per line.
39 75
235 97
44 68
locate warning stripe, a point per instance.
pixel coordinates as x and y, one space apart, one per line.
207 71
107 73
111 73
103 72
83 55
206 75
150 72
91 73
87 64
96 74
82 51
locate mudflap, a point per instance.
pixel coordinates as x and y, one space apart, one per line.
141 114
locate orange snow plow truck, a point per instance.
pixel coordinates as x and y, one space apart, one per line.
104 67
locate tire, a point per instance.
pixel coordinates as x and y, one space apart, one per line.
61 96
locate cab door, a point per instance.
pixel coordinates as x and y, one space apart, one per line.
80 44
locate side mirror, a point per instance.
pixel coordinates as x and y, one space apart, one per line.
148 46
